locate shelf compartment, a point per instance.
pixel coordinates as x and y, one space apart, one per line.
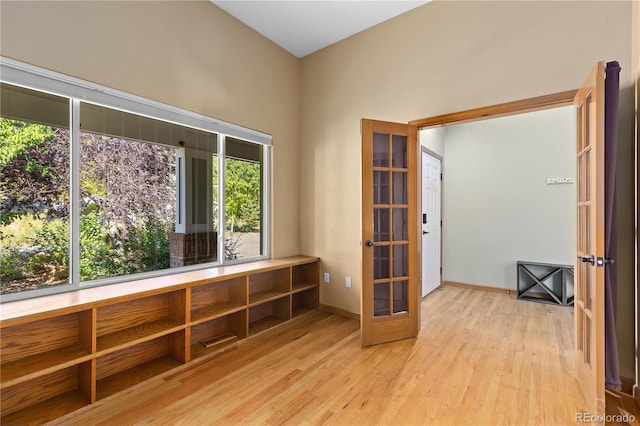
127 367
269 314
305 276
268 286
36 348
297 288
140 319
304 301
48 397
228 329
209 301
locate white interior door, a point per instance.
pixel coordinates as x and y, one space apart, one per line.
431 230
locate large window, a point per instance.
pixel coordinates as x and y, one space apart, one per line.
93 194
34 190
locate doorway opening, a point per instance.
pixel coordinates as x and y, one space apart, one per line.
510 196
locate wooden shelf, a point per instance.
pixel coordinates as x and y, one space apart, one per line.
264 324
296 311
306 273
219 298
48 410
132 376
269 314
229 325
48 396
135 320
137 334
62 352
270 285
38 365
215 311
304 301
296 288
127 367
226 340
265 296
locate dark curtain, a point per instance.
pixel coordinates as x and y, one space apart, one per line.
611 89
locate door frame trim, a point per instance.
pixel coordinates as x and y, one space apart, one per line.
538 103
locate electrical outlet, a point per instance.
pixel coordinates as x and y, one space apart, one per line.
347 282
326 277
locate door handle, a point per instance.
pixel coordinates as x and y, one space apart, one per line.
587 259
369 243
425 232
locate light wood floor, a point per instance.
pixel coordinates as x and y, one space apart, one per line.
481 358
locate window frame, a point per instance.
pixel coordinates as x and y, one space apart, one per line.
77 91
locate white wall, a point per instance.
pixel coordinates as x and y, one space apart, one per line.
433 139
497 206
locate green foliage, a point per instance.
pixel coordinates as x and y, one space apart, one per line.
138 249
52 239
96 257
17 136
242 192
11 265
34 249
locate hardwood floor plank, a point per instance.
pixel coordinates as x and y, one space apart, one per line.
480 358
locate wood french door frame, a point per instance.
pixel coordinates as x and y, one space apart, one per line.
590 265
390 299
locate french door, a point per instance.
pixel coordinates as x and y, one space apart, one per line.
590 265
390 255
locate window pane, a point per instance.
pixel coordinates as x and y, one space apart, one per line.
381 224
380 299
399 144
243 199
128 189
380 187
400 260
34 190
380 262
400 297
380 150
399 188
400 224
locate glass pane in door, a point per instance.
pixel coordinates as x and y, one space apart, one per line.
400 297
399 188
380 262
399 225
399 149
381 299
380 150
400 260
380 187
380 224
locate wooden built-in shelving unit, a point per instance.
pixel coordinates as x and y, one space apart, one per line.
62 352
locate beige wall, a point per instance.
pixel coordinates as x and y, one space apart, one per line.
440 58
187 54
